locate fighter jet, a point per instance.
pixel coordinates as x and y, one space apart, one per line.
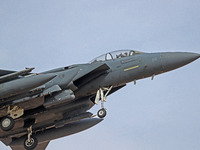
36 108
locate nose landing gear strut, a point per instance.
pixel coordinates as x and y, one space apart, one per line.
100 96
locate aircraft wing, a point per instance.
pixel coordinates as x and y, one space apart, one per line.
41 146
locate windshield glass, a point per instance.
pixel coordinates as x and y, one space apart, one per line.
116 54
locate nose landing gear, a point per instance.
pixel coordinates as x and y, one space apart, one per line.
103 98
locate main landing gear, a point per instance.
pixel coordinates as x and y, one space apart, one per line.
30 142
7 123
100 96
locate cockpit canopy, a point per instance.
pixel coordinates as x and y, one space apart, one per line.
115 55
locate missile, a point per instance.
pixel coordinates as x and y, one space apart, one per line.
55 133
14 75
23 84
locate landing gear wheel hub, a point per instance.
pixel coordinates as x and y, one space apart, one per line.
30 144
7 123
102 113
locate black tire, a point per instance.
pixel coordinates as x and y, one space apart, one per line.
102 113
7 123
32 144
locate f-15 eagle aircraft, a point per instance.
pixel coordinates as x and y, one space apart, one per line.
36 108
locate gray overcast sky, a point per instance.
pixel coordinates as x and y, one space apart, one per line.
163 114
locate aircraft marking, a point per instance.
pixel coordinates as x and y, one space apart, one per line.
131 68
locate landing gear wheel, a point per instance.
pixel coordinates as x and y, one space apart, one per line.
30 145
102 113
7 123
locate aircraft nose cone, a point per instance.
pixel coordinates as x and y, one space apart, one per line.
175 60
